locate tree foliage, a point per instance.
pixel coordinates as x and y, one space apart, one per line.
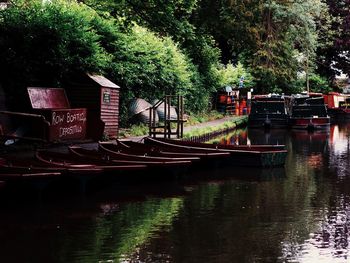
171 19
333 53
230 75
149 67
156 47
46 44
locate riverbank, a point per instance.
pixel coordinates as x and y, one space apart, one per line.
206 129
198 132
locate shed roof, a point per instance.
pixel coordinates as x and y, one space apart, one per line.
102 81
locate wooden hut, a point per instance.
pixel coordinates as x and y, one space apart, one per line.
100 97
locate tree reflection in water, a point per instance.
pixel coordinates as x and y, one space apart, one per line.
298 213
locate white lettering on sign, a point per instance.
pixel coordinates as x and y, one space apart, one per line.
75 117
57 119
64 131
67 118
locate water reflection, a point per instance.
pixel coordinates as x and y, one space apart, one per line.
298 213
85 230
327 239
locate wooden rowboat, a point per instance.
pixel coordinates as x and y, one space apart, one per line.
71 161
260 157
14 175
156 165
113 152
224 146
99 156
132 147
31 165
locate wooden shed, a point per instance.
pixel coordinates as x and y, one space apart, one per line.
101 98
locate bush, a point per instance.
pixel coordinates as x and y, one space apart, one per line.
150 67
42 43
316 84
319 84
230 76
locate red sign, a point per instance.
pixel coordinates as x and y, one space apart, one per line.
67 124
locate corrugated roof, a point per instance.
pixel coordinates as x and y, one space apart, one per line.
102 81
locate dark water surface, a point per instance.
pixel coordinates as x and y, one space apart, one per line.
299 213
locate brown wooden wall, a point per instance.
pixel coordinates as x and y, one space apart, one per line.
87 95
5 124
84 96
110 111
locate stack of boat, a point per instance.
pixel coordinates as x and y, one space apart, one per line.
302 111
155 156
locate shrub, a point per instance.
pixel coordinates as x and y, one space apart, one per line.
316 84
150 67
43 44
230 75
46 42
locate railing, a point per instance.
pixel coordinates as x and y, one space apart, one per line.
165 127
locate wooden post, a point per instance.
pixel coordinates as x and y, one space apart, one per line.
307 72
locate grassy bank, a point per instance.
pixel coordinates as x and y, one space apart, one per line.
142 129
206 133
200 133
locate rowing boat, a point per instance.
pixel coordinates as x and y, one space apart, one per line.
99 156
71 161
132 147
15 175
253 147
249 156
156 165
113 151
31 165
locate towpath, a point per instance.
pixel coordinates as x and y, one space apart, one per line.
213 123
25 147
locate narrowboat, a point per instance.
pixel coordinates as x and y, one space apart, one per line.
343 112
308 113
268 112
338 105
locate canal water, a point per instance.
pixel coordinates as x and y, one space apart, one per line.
299 213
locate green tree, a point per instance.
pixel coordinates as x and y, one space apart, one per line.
41 44
172 19
333 53
230 75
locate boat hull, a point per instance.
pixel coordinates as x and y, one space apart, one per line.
339 113
254 156
270 122
309 123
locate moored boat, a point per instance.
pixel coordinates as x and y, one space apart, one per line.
70 161
268 112
342 112
156 165
309 113
145 149
31 165
13 176
241 157
113 151
114 158
252 147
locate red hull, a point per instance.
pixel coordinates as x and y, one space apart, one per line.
309 123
